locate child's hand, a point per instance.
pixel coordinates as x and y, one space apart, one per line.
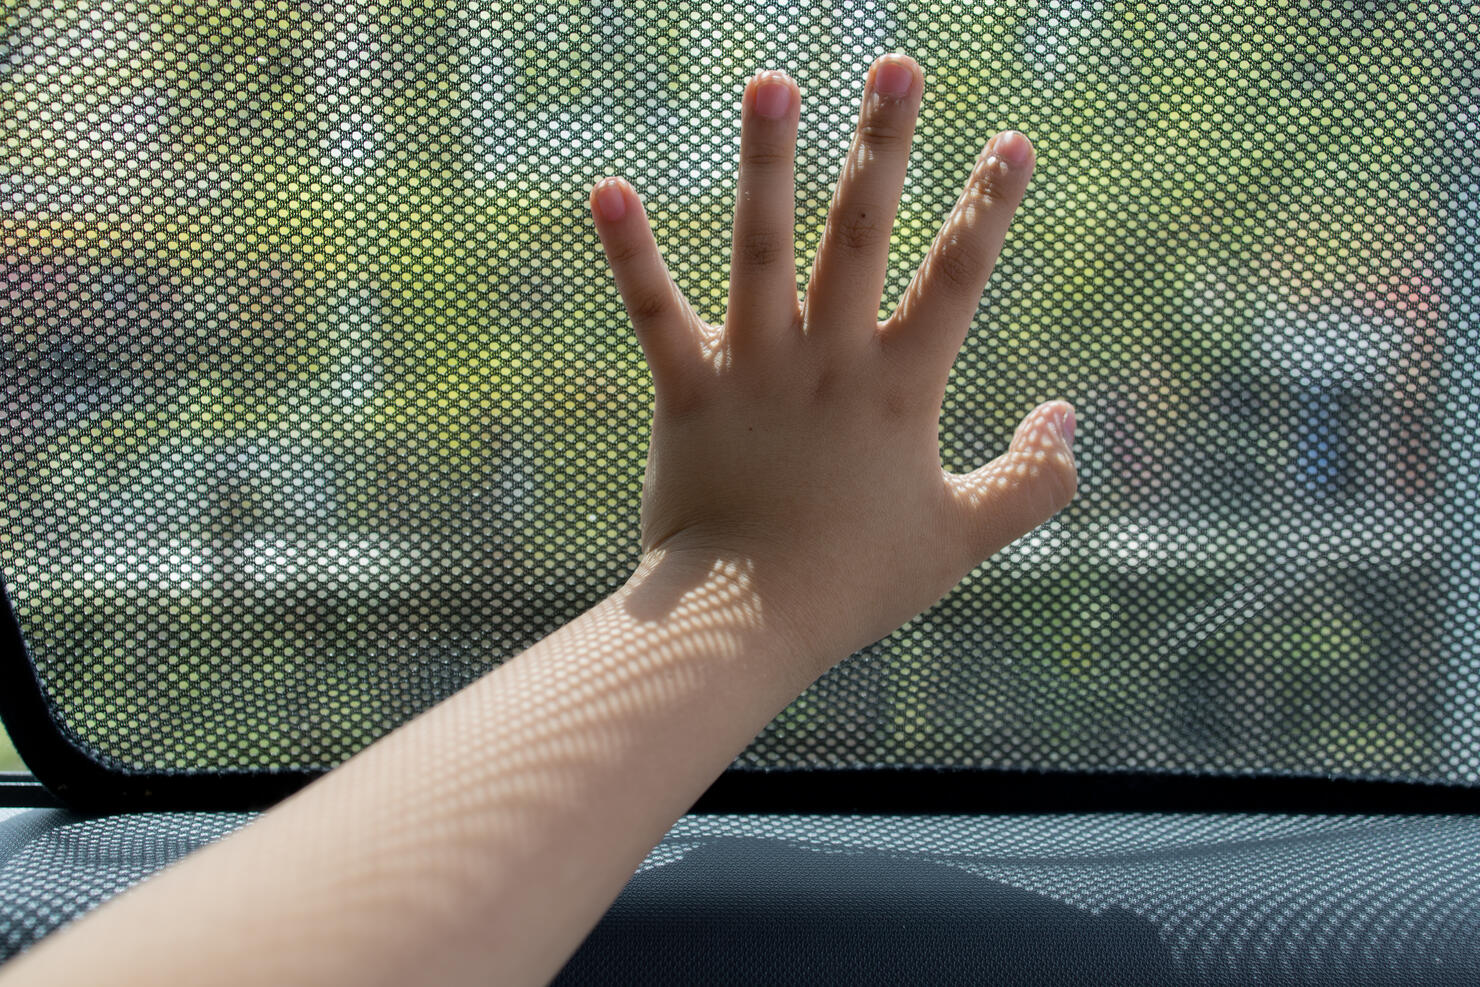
802 439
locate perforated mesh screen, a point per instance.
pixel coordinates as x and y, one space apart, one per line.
1086 898
319 399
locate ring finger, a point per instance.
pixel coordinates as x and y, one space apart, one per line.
852 260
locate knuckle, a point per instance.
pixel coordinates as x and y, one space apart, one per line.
959 265
623 252
759 249
988 183
882 134
765 156
861 232
647 304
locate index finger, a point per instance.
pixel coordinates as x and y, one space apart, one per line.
942 298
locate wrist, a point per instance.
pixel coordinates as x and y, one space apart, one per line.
727 594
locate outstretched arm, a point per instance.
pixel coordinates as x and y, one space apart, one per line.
794 510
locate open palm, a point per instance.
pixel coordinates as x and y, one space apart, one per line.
801 436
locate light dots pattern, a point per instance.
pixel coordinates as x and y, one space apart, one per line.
319 400
1230 898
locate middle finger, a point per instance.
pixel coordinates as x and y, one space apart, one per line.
763 265
847 280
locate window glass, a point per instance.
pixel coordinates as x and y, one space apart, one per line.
319 399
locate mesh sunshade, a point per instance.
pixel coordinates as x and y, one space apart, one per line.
319 399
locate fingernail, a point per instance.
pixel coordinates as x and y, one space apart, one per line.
610 201
1014 148
772 97
1066 426
893 79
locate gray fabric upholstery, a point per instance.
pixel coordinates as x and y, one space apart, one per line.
1130 898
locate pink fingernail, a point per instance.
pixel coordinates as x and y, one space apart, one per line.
1066 426
893 79
610 201
1014 148
772 98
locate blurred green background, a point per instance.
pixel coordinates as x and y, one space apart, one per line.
9 759
320 399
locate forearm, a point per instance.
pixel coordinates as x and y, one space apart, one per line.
484 839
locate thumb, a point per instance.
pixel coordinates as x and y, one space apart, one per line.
1025 486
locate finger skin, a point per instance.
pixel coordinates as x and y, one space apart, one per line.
847 279
1020 489
763 281
666 325
936 311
